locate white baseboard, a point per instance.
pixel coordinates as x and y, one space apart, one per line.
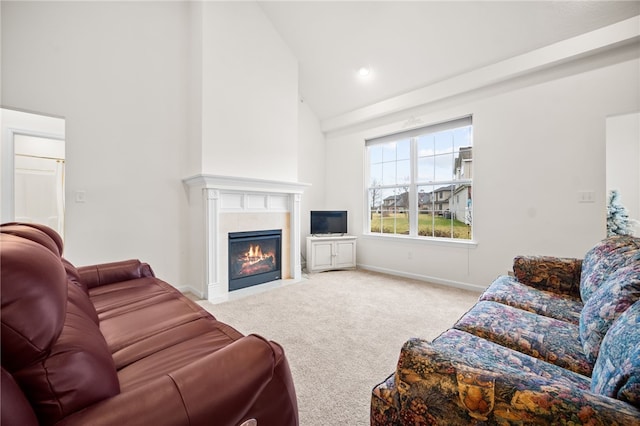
189 289
448 283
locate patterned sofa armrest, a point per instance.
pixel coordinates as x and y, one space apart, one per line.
557 274
436 385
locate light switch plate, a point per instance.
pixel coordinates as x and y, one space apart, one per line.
586 197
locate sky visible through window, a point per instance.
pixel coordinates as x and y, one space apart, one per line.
390 163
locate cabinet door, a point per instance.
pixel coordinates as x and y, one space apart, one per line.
345 254
322 255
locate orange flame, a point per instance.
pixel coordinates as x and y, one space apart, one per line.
254 254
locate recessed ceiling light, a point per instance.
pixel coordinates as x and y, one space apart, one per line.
364 71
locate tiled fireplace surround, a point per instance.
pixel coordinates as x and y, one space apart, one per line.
222 204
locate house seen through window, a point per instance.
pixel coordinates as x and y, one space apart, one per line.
420 181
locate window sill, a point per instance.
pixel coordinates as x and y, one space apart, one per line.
421 240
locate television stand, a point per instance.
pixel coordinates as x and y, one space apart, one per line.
331 252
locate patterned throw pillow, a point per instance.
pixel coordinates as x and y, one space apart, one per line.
612 298
604 258
617 371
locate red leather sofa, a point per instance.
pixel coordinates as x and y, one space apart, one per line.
112 344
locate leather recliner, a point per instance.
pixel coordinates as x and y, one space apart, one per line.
112 344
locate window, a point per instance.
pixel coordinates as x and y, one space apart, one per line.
420 181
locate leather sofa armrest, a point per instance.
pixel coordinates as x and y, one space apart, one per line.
557 274
217 389
108 273
437 385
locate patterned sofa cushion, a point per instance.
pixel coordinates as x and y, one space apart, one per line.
548 339
617 370
486 355
509 291
612 298
604 258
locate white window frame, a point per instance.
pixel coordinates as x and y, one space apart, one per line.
414 184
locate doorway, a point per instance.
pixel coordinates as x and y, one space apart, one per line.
623 163
32 169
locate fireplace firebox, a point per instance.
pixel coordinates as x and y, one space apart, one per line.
254 258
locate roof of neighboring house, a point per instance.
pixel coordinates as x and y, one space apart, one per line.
465 153
400 200
444 188
461 187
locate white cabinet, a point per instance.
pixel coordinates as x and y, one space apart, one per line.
328 252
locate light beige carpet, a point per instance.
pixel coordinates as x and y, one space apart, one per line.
342 332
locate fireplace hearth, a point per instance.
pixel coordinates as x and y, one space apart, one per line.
254 258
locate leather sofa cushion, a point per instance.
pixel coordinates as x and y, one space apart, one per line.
16 410
40 234
118 298
78 372
51 341
153 344
34 298
172 357
149 321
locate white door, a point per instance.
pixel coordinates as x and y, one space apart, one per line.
39 191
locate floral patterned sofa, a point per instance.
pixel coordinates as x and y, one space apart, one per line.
559 343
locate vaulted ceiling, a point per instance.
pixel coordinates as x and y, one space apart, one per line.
409 45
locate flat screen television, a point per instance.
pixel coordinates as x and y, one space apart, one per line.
328 222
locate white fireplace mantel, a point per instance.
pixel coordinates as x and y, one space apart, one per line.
212 197
245 184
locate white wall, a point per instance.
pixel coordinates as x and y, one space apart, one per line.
311 168
116 72
128 78
194 104
152 92
536 145
623 163
250 95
